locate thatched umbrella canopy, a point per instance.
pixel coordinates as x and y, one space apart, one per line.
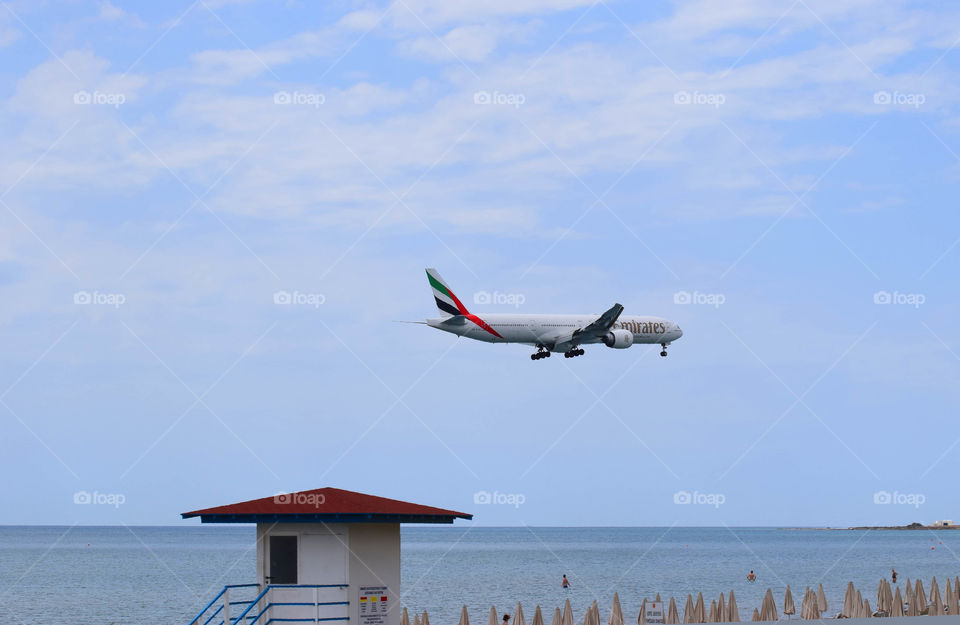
821 600
733 612
404 617
713 617
518 616
616 612
672 617
721 609
642 617
920 597
850 607
493 616
699 610
768 608
936 603
425 618
953 603
416 620
866 612
464 619
756 615
896 608
567 618
688 610
788 606
557 617
538 616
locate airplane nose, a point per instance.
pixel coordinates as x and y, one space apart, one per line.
678 330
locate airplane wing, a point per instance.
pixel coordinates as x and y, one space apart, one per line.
591 333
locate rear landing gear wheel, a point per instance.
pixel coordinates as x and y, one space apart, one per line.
573 353
541 353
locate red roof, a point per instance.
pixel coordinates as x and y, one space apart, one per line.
326 504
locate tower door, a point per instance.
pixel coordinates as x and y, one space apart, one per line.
283 560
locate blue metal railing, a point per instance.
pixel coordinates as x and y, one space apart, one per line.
226 589
294 609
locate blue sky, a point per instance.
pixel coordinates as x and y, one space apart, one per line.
169 168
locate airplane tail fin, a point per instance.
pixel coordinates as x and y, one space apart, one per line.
447 302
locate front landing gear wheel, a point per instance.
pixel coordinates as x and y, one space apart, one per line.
664 350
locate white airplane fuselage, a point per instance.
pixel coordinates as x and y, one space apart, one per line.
534 330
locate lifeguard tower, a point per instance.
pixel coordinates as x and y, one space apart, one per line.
322 555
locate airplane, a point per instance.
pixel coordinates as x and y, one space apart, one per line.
549 333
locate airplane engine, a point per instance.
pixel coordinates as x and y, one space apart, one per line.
618 339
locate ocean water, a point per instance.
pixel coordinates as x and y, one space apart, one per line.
133 575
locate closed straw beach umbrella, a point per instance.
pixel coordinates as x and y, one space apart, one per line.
416 620
493 616
657 599
887 597
425 619
688 611
956 586
733 613
768 609
616 612
404 617
953 603
557 617
849 597
642 617
673 616
788 606
920 596
713 618
858 605
821 600
911 604
756 615
518 616
896 607
595 619
464 618
867 612
699 611
537 616
935 597
722 609
567 614
814 609
880 595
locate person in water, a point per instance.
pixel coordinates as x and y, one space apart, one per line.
565 583
751 577
893 574
506 619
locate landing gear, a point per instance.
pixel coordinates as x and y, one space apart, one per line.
542 352
573 353
664 351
